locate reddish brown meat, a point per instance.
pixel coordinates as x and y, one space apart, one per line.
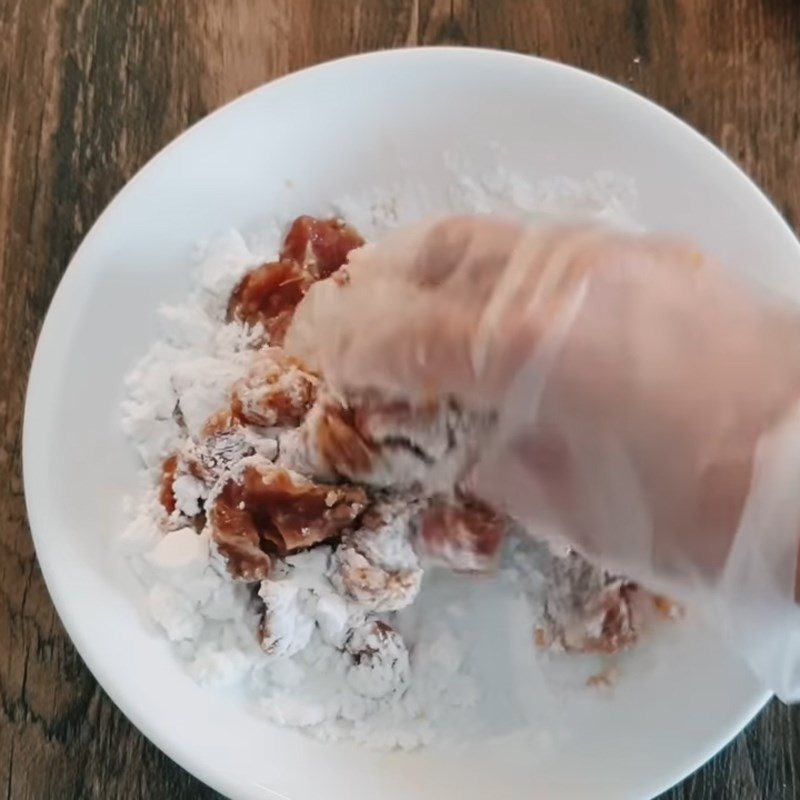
341 444
273 510
587 610
320 245
466 536
269 295
278 391
166 495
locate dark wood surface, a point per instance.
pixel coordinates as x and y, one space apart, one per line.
91 89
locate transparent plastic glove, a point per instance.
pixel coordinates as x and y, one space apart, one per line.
646 399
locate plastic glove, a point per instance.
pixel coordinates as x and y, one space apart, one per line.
646 399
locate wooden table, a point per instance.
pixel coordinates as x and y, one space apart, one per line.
91 89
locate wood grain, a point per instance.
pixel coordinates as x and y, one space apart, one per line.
90 89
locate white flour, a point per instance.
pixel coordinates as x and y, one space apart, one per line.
328 663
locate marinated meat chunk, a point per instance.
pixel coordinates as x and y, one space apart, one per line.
587 610
342 445
385 443
224 445
269 295
278 512
376 566
276 392
320 245
466 536
238 539
380 660
166 492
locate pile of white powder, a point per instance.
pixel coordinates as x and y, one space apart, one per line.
334 671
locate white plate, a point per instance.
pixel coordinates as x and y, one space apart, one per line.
289 147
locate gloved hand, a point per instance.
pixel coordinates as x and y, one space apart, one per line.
646 397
